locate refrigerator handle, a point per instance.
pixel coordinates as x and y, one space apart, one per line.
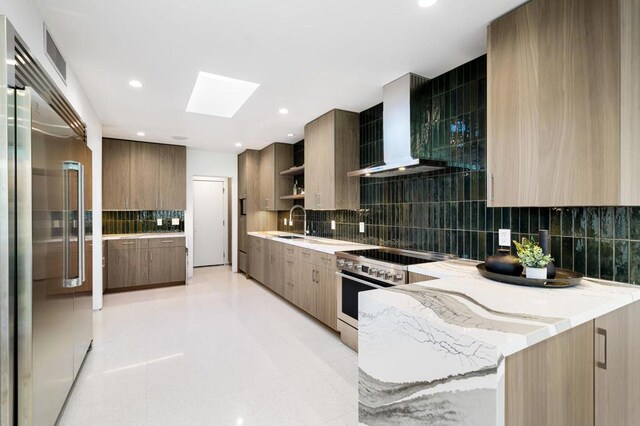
70 282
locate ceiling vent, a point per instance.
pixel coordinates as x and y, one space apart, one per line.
54 55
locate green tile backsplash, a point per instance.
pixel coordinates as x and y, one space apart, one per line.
135 222
446 211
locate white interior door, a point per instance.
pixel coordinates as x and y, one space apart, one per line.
209 223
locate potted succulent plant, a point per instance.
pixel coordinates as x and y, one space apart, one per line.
531 256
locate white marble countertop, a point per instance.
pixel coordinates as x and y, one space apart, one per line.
142 236
324 245
436 347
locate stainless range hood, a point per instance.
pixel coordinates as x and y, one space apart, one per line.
403 99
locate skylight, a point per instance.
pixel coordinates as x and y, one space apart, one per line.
218 95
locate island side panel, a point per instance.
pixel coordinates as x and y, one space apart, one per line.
551 383
415 368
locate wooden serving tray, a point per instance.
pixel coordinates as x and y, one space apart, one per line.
564 278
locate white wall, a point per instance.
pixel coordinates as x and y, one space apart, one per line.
212 164
28 22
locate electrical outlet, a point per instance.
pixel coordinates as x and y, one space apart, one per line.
362 227
504 237
175 221
333 225
286 221
159 222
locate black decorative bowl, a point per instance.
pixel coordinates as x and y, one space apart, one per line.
564 278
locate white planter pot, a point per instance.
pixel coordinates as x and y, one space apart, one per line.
537 273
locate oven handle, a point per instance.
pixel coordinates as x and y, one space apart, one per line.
358 280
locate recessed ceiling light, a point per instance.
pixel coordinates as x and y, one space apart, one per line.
283 111
402 169
427 3
140 134
238 144
218 95
291 134
367 174
135 83
179 138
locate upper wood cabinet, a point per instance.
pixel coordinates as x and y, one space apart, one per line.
143 176
331 149
116 174
242 176
274 159
563 102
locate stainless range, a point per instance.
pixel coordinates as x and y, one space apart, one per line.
363 270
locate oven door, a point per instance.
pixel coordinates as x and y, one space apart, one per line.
348 288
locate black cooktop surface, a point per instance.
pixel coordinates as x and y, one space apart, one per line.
390 256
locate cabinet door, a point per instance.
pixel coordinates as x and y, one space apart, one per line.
617 376
319 160
167 265
307 295
115 174
256 258
144 186
554 105
172 177
551 383
326 297
283 184
276 267
127 267
242 178
242 234
267 182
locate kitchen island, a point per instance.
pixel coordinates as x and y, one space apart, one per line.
464 350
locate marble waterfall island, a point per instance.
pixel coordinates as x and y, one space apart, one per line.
434 352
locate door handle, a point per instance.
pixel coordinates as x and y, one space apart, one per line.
601 332
68 281
128 243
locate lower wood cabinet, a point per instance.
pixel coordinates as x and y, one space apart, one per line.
588 375
138 263
304 277
166 260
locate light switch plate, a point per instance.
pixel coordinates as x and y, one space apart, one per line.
333 225
159 222
175 221
362 227
504 237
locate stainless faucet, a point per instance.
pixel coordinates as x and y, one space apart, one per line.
297 206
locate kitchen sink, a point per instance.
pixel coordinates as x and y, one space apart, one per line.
290 237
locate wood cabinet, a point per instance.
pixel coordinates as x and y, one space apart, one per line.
617 375
274 159
128 263
554 382
256 258
331 149
304 277
274 272
116 174
167 260
139 263
242 176
551 383
563 102
143 176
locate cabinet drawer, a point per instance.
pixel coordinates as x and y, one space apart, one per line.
129 244
166 242
324 260
291 268
290 250
306 255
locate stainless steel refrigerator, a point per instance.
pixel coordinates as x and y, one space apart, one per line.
45 292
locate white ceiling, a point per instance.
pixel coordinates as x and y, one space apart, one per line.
307 56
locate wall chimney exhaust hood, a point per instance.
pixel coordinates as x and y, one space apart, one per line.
406 118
